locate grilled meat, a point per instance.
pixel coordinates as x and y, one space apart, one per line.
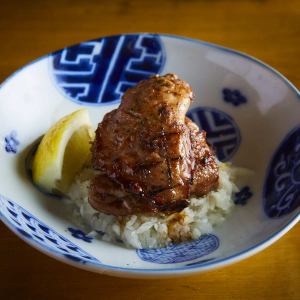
151 157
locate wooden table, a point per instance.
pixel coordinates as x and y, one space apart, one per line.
268 30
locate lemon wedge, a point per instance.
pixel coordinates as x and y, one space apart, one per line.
62 152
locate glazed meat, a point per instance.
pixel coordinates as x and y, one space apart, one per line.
205 172
151 157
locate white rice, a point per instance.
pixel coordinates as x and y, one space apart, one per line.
142 231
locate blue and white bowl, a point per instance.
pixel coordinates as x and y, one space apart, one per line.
249 110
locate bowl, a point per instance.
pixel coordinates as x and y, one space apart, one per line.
249 111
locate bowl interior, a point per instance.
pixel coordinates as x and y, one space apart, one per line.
250 113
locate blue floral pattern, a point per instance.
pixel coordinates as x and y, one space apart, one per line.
32 229
243 196
100 71
11 142
233 96
282 185
223 134
177 253
79 234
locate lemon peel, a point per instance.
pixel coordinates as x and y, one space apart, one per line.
62 152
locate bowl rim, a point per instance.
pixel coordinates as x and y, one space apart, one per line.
169 272
183 270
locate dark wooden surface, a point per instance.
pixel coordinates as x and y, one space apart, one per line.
268 30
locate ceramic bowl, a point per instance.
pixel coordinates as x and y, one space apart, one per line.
249 110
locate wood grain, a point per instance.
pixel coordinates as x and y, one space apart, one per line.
268 30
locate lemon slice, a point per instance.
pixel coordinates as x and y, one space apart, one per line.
63 151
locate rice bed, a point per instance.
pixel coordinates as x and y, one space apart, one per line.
142 231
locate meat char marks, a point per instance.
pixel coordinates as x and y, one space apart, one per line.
150 155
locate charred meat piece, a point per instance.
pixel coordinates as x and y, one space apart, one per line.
151 156
109 197
205 170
